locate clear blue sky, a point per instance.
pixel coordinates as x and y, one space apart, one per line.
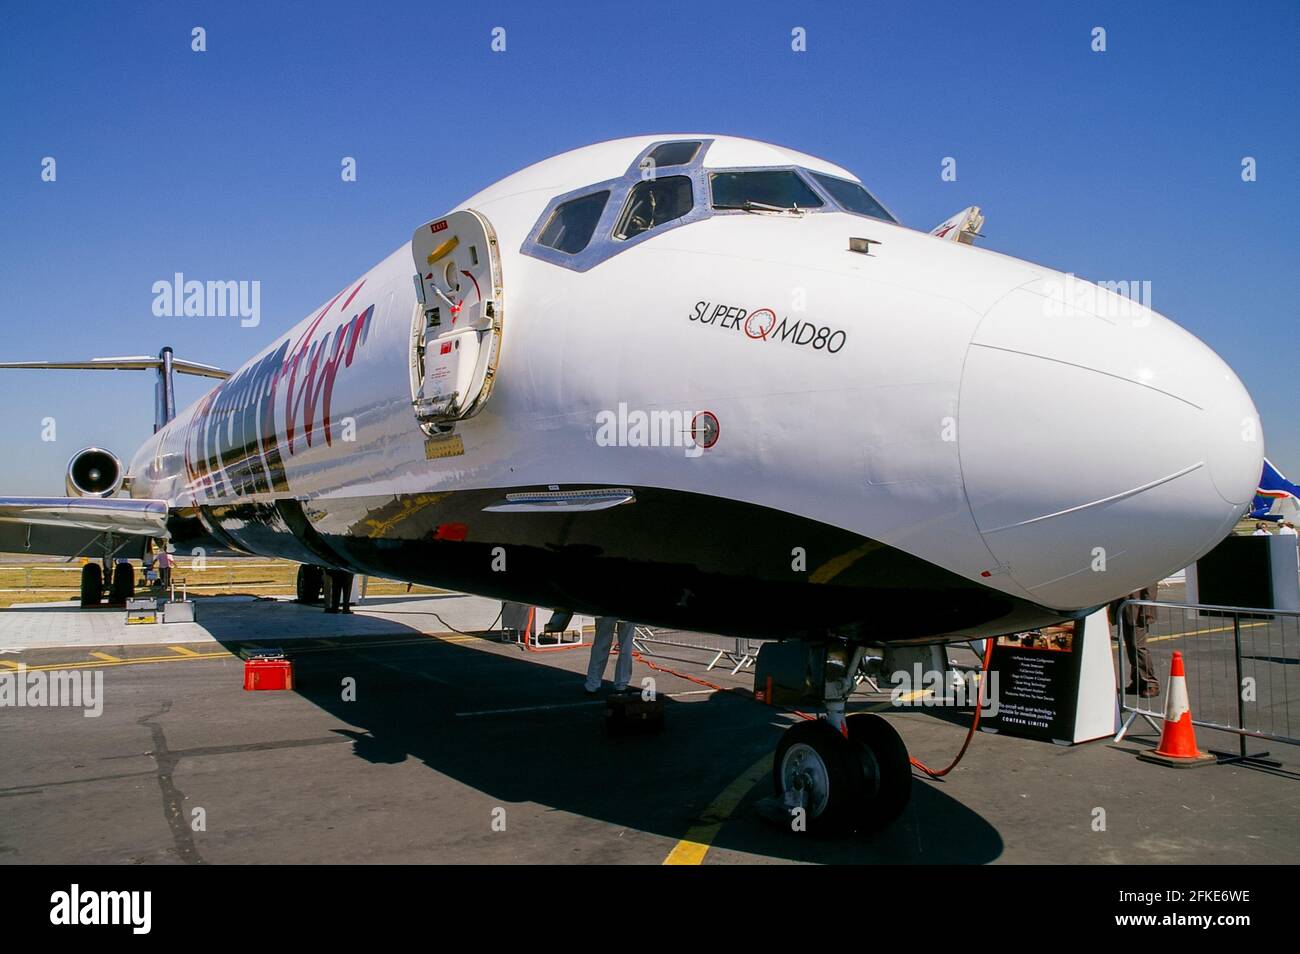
225 164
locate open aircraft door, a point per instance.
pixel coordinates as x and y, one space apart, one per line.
456 336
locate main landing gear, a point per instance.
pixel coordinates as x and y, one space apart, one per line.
838 774
120 589
309 584
92 585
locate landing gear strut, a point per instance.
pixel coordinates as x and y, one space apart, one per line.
842 773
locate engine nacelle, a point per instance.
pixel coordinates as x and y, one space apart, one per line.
93 472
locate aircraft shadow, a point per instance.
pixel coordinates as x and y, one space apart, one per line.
440 702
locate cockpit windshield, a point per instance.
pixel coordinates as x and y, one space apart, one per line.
763 190
669 185
851 197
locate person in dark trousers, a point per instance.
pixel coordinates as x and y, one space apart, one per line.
1133 622
164 564
338 591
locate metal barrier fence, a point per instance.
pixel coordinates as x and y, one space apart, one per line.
741 653
1242 665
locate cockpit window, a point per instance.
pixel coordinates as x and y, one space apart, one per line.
764 190
852 197
654 202
674 153
572 223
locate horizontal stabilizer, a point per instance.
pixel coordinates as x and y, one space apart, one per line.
141 362
166 366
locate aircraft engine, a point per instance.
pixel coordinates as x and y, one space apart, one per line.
94 472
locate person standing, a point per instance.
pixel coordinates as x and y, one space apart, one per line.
165 562
1133 622
1261 530
600 647
338 591
1288 529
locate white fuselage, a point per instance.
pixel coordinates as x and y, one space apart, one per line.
950 412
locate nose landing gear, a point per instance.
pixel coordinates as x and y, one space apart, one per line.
839 774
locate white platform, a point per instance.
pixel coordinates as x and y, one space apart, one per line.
33 625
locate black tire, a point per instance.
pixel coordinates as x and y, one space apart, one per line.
123 583
311 579
838 760
92 585
887 771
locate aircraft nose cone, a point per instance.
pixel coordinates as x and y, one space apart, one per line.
1102 447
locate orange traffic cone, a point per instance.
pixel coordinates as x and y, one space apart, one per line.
1177 746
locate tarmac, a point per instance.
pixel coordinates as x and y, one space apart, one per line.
409 737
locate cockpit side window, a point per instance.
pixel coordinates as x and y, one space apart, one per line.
653 202
763 189
573 223
852 197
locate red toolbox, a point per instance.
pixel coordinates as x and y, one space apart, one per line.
267 670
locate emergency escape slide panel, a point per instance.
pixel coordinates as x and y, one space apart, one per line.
458 282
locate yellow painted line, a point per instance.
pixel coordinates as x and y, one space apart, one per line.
139 660
1203 632
186 655
694 845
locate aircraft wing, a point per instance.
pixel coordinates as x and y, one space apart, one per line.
122 515
80 526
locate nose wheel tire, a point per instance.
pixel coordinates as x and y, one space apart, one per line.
886 767
859 783
819 771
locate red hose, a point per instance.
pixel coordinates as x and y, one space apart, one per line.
975 722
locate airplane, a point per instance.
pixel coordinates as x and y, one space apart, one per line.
710 383
1276 497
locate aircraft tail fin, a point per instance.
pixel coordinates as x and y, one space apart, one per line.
1277 498
964 227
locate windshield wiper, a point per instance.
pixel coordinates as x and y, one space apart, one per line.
750 206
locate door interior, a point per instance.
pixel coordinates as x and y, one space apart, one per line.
456 335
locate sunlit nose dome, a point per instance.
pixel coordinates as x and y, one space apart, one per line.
1102 447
